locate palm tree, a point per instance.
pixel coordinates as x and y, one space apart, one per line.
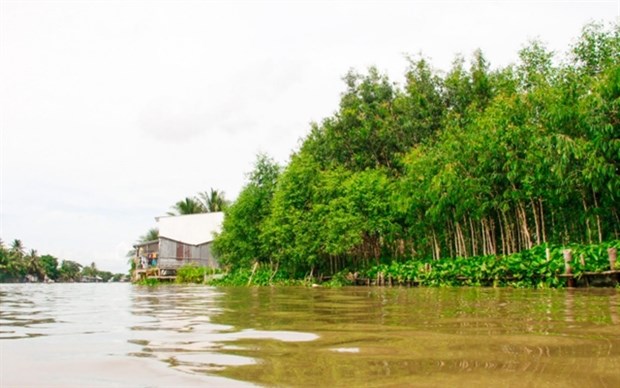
4 261
151 235
17 248
213 201
187 206
90 270
15 265
33 265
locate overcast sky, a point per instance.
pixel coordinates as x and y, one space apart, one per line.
111 111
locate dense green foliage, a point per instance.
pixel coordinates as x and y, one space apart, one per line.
150 282
242 241
193 274
474 163
529 268
263 275
537 267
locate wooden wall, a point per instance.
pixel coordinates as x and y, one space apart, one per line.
173 254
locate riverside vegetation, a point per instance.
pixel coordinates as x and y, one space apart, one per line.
17 264
464 177
458 177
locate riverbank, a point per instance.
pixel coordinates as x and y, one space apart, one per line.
544 266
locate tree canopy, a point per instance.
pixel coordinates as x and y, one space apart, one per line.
474 161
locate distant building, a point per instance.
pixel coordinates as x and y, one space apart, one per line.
182 240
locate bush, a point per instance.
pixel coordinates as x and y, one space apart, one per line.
193 274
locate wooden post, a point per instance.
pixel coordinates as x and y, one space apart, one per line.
254 268
613 256
568 257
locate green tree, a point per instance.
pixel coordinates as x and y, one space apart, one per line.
240 242
50 266
475 162
34 266
15 267
70 271
151 235
17 248
5 260
597 49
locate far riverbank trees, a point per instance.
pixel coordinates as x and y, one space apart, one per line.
19 265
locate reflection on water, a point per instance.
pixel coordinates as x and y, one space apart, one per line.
124 335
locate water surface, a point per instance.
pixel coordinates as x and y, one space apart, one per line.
127 336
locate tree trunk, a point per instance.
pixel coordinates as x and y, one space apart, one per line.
542 219
473 238
502 236
527 239
491 232
585 211
436 248
598 218
536 223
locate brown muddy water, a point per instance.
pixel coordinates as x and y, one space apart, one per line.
121 335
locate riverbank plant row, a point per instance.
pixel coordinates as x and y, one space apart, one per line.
477 164
539 267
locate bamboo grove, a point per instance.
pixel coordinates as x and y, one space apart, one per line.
471 162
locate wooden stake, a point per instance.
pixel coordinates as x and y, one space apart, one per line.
613 256
253 271
567 268
568 257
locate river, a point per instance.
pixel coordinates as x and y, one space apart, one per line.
122 335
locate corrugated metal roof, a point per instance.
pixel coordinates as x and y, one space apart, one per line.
193 229
142 244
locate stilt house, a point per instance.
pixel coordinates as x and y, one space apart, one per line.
182 240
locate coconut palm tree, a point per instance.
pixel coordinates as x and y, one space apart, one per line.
14 265
151 235
213 200
33 265
188 205
17 248
4 261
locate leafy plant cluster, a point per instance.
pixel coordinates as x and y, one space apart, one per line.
194 274
263 275
149 282
536 267
476 164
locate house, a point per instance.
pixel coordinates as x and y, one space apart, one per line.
183 240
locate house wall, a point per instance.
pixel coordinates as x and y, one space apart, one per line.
173 254
148 248
145 250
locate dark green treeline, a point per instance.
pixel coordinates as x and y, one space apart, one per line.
471 162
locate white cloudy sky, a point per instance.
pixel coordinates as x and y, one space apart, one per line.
111 111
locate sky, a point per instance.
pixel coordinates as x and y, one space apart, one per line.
112 111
